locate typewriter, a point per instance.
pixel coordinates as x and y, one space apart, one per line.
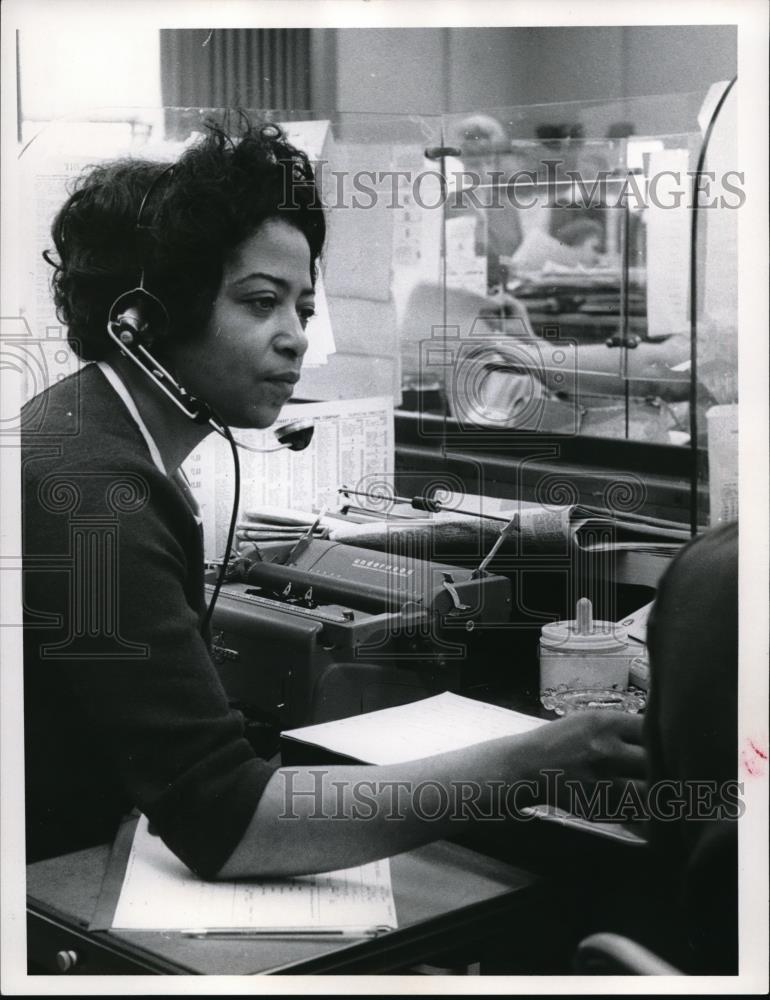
312 633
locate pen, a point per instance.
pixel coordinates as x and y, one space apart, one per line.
224 933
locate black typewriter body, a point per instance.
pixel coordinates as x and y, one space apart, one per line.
341 630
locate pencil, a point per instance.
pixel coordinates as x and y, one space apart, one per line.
284 932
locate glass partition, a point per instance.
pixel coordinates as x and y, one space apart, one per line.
574 228
715 327
565 268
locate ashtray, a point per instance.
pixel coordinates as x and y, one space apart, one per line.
563 702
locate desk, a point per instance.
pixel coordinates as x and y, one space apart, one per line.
447 897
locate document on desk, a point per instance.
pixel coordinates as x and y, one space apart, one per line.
433 725
160 893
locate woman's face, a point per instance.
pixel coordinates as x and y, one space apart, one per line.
247 361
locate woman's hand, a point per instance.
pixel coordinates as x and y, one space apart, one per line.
590 751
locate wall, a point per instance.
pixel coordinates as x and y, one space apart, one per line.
678 58
485 66
572 64
398 70
426 70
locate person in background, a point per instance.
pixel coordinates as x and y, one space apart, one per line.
577 244
487 156
584 236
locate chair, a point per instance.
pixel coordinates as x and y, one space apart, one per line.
613 955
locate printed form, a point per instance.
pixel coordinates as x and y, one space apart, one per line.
160 893
353 444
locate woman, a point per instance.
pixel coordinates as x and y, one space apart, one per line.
123 704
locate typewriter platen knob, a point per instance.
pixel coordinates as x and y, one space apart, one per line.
66 960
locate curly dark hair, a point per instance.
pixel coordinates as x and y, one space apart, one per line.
215 196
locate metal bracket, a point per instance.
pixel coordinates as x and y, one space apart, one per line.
449 587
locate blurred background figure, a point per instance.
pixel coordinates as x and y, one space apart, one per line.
584 237
487 163
576 244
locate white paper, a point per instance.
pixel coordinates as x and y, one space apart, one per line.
636 623
352 444
319 330
433 725
722 422
465 268
668 247
310 136
160 893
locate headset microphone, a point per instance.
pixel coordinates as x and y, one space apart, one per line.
295 435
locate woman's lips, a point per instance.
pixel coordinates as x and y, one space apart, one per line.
285 378
282 386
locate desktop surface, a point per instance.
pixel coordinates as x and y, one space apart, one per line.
446 897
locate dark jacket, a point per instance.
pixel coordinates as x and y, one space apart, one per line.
123 705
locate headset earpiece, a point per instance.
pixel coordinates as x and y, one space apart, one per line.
138 316
136 319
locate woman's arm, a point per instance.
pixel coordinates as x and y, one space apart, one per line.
312 819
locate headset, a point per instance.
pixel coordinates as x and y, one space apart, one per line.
136 319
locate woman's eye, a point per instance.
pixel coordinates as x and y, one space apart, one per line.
262 305
305 315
